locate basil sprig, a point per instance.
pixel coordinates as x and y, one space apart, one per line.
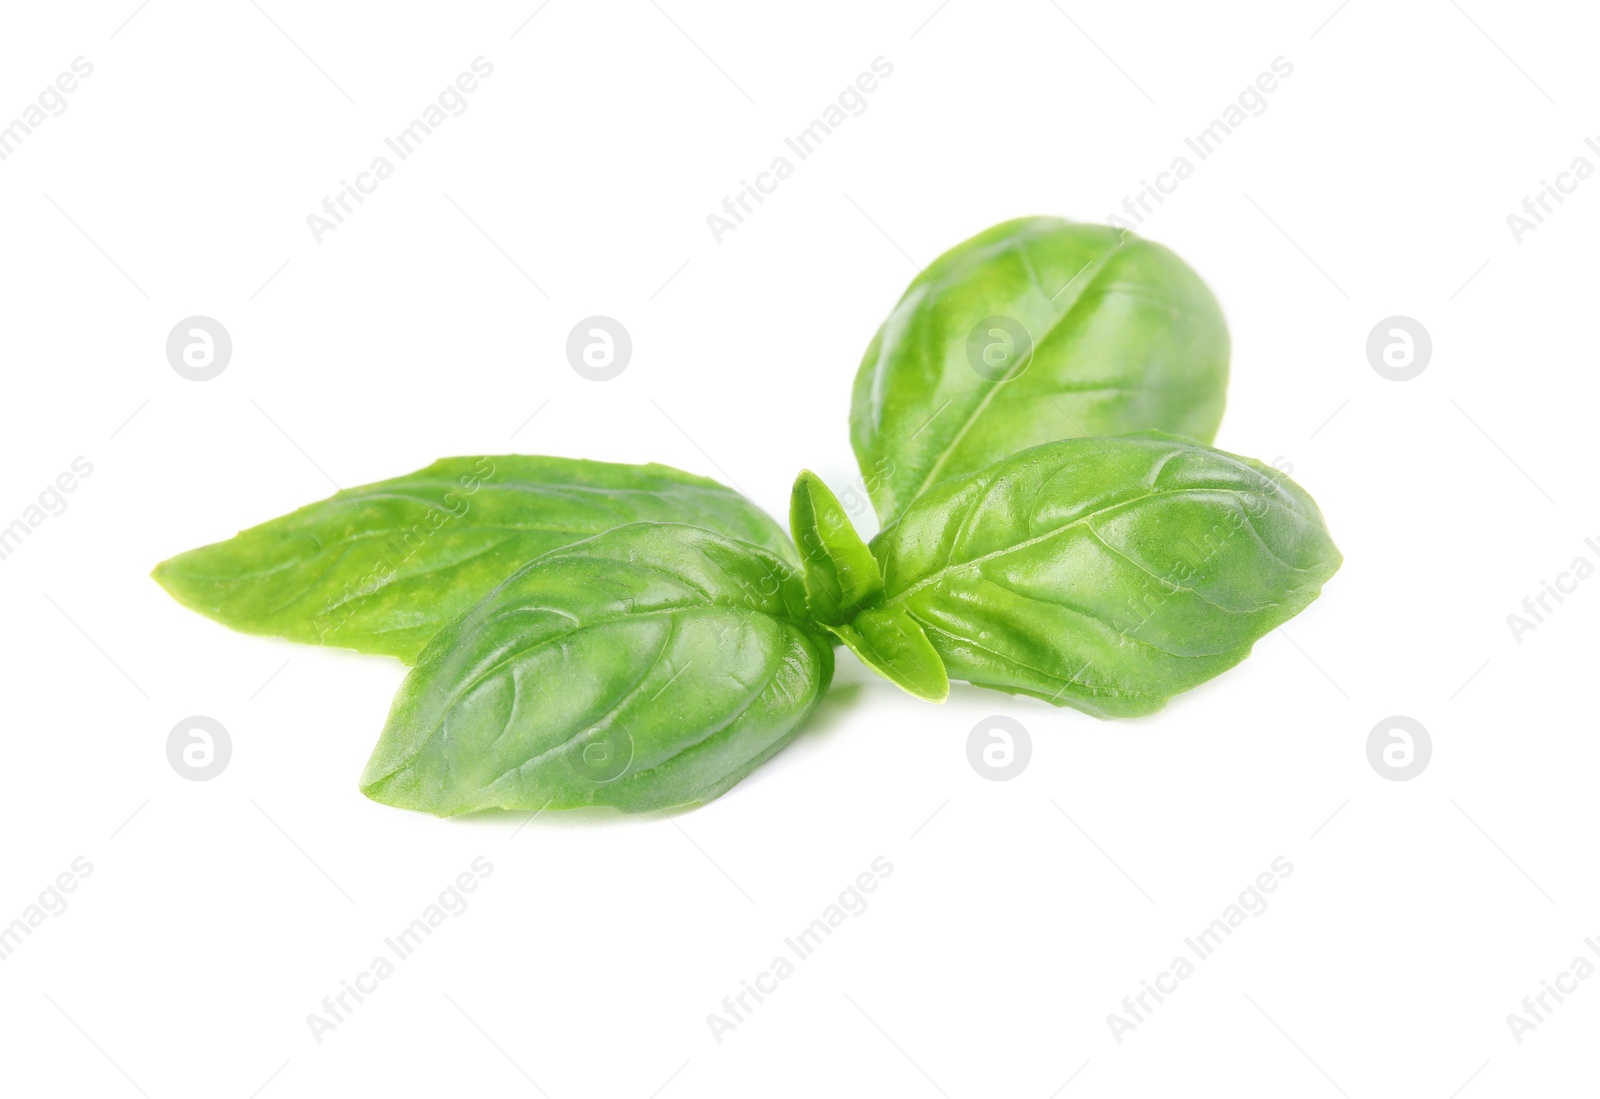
591 634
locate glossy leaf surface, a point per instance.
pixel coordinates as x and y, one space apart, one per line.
1034 330
382 567
890 642
652 666
1106 574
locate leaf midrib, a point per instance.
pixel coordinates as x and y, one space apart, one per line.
993 387
939 574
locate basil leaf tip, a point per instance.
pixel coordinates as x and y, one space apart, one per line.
381 568
841 575
893 644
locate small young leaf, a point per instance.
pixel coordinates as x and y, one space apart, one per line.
1034 330
382 567
1106 574
649 667
890 642
840 572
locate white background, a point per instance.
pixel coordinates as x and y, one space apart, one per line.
219 914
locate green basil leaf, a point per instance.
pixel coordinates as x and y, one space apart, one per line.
1106 574
841 575
382 567
890 642
649 667
844 592
1034 330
